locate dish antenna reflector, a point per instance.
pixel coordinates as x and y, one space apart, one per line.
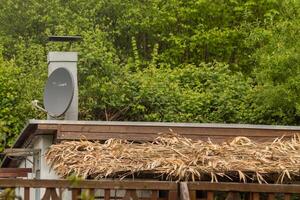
58 93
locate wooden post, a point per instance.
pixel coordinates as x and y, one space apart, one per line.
271 196
255 196
26 193
210 195
76 194
193 194
107 194
287 196
172 195
154 194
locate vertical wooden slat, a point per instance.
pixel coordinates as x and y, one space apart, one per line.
47 195
172 195
233 196
154 194
287 196
255 196
26 193
193 194
210 195
75 194
271 196
107 194
53 194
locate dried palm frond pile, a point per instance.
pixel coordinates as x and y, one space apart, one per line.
177 158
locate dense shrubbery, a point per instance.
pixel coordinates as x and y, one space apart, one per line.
227 61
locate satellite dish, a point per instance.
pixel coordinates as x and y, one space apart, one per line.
58 93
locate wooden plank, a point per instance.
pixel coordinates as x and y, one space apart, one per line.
47 195
193 195
288 196
244 187
148 137
172 195
26 193
106 194
233 196
15 170
271 196
87 184
54 195
75 194
47 127
181 129
154 195
255 196
11 174
186 133
210 195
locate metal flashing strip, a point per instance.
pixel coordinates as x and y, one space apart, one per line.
169 124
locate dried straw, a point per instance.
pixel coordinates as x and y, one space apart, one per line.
177 158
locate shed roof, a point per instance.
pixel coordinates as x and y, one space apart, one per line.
143 131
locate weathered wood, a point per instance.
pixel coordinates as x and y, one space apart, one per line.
54 195
184 191
172 194
148 131
87 184
47 195
210 195
233 196
260 135
50 194
154 195
193 195
107 194
17 152
15 170
11 174
255 196
75 194
287 196
244 187
26 193
271 196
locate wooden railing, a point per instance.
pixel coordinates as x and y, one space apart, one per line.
153 190
86 189
239 191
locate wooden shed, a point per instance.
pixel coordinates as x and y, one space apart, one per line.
26 159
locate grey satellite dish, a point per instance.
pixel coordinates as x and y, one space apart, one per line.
58 93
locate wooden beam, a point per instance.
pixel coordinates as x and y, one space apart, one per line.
12 174
87 184
19 152
245 187
15 170
149 132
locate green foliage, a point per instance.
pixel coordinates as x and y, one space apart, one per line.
231 61
206 93
277 93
